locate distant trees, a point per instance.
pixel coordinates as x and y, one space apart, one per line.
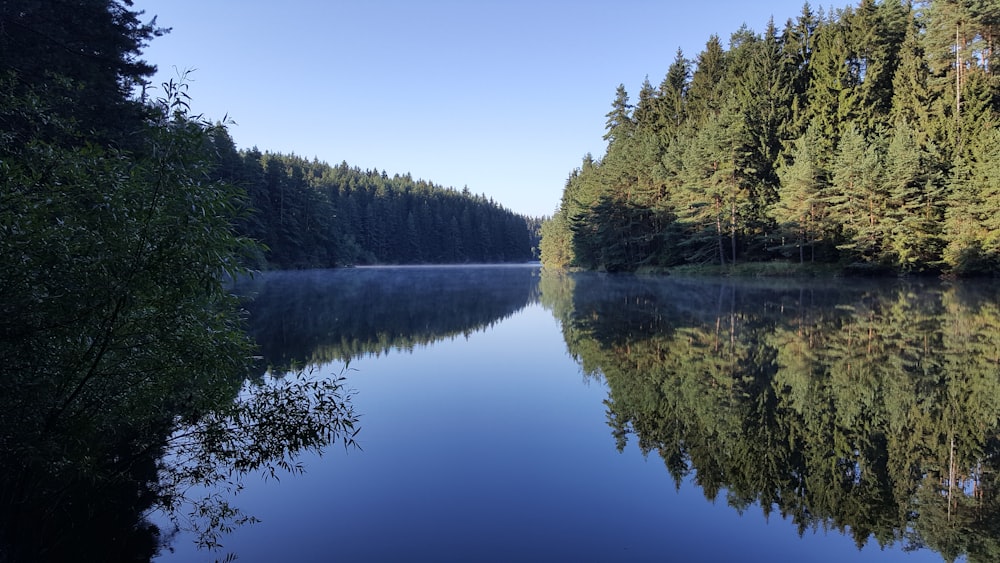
84 56
310 214
861 137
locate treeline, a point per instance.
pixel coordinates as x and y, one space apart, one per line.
863 136
310 214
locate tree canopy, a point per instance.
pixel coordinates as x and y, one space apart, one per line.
859 137
308 213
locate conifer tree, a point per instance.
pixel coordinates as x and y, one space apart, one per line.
857 197
914 212
765 97
673 91
711 203
619 124
830 87
874 34
911 97
895 100
85 55
800 210
798 43
704 96
971 216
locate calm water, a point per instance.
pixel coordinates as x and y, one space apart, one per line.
509 415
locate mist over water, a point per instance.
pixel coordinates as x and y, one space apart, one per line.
514 414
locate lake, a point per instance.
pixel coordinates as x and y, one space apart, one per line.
512 414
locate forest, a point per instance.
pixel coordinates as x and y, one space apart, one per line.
308 214
862 138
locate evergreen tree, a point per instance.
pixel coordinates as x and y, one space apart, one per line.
915 202
309 214
874 35
798 42
858 199
85 54
911 97
619 125
971 215
830 87
673 91
894 101
800 211
704 95
646 113
765 98
710 202
959 45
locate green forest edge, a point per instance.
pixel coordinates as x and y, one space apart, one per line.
856 141
309 214
122 351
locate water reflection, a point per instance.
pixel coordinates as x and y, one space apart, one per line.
150 457
868 408
323 316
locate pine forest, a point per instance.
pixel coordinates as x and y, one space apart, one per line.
863 138
308 214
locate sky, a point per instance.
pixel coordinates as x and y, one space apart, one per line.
504 97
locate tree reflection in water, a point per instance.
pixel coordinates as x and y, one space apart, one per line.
868 408
325 316
86 485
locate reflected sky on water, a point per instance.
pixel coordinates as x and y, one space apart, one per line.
494 446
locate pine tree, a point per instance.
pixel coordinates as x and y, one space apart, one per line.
673 91
857 198
800 210
911 97
959 44
914 214
619 124
704 96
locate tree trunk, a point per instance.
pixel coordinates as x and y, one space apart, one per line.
718 232
958 73
732 230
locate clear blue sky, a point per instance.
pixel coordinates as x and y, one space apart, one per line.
503 96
